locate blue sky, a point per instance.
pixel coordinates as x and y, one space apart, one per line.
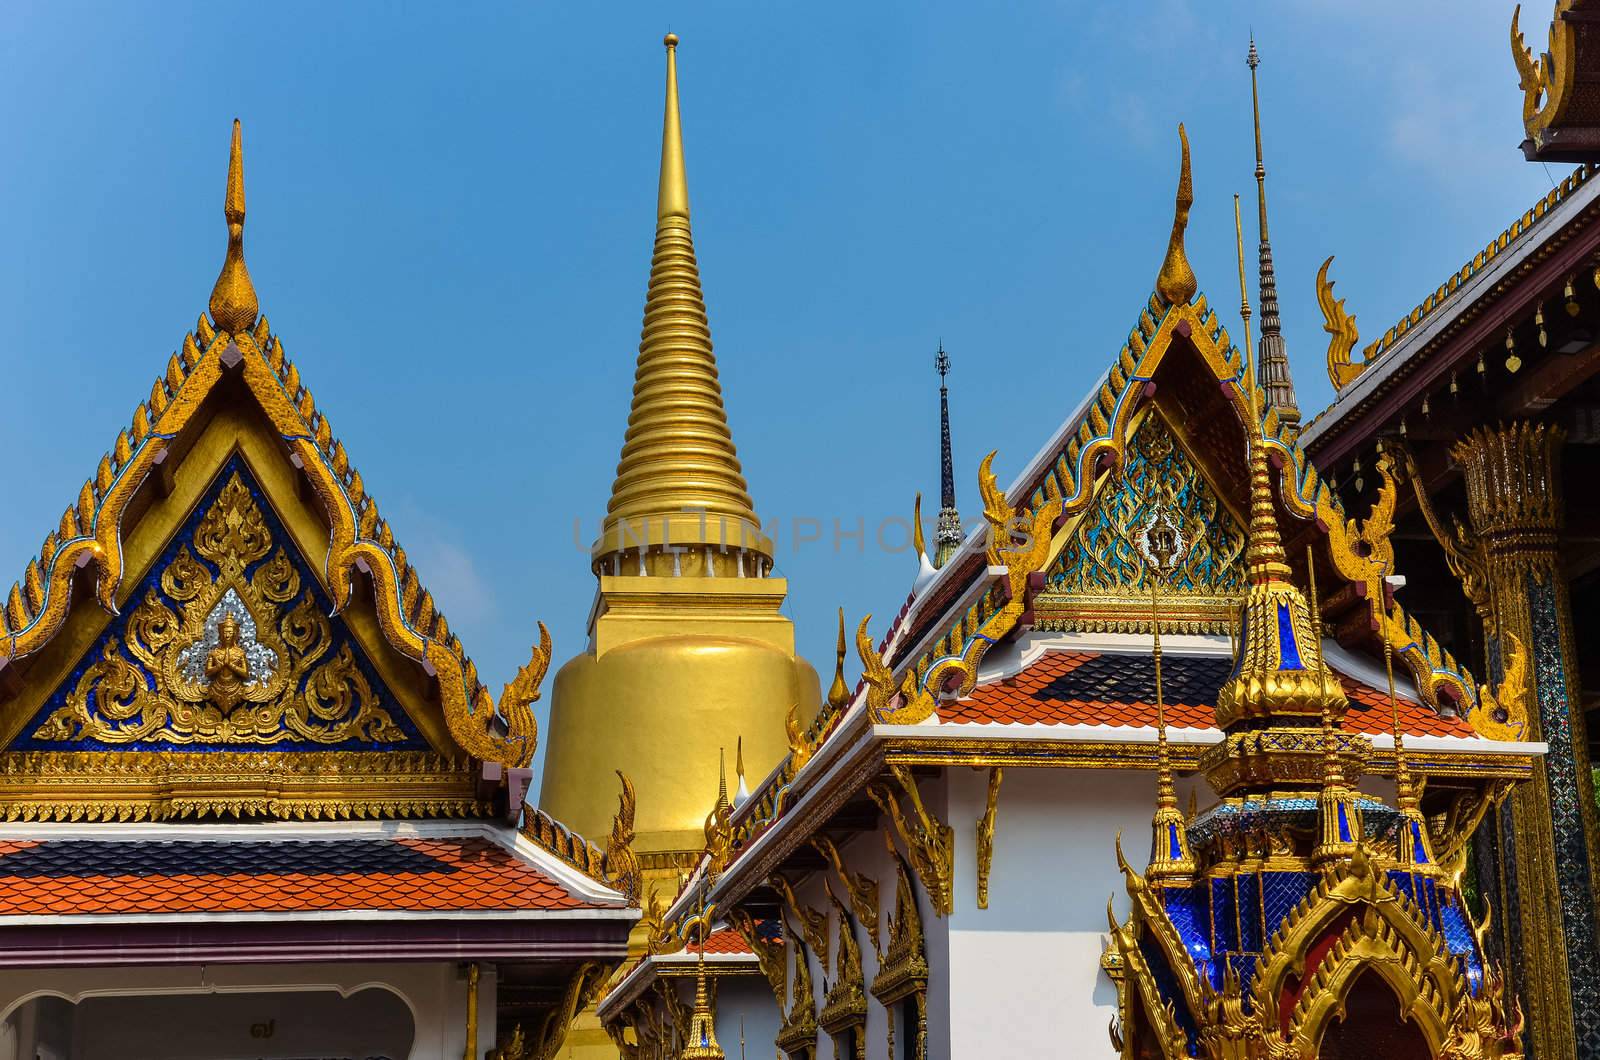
451 210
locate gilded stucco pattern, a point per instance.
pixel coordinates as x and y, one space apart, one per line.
169 674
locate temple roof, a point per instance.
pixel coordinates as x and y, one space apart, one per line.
1465 296
956 666
726 953
108 874
1089 686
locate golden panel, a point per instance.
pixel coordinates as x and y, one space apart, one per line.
238 666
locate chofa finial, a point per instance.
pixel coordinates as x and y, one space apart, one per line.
839 692
1175 283
233 300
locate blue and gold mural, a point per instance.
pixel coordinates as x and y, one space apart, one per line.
1100 556
227 645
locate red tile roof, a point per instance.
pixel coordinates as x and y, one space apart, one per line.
1118 689
194 876
725 941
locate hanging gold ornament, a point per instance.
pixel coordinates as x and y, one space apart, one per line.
1573 308
1513 362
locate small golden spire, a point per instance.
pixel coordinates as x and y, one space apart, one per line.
1175 283
839 692
702 1043
1339 815
918 542
679 500
1280 669
234 305
1169 839
722 778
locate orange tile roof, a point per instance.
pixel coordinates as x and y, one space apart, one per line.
725 941
1108 688
195 876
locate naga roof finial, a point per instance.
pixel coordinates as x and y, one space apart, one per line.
1175 283
233 300
839 693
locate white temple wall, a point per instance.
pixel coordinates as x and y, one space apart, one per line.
39 1005
744 1006
1023 976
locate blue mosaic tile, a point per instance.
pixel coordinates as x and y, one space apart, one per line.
1281 892
1249 893
1566 813
1189 913
1224 918
1167 985
1458 935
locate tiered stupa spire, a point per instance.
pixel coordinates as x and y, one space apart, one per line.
234 305
1279 676
702 1038
948 532
679 504
1273 363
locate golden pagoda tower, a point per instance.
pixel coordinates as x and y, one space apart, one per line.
688 651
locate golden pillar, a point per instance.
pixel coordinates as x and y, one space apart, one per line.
1547 849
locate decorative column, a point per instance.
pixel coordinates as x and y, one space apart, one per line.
1548 834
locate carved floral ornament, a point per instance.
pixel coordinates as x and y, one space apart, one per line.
249 659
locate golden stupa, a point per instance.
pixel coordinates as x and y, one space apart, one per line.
688 651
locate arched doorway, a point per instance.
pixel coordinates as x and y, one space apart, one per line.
1372 1027
370 1024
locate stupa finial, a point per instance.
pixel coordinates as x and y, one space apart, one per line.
679 504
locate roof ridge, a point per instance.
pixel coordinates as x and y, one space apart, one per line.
1514 231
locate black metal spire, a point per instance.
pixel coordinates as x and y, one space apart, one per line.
1272 364
948 532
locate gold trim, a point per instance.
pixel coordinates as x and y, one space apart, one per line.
289 785
929 842
861 888
985 832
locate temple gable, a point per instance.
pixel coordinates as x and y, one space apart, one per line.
225 644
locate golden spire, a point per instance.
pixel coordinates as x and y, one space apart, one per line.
1169 836
1412 847
679 485
702 1042
839 692
1175 283
233 300
1279 668
1338 813
722 778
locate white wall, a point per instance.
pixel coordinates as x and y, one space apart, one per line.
1023 977
747 998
